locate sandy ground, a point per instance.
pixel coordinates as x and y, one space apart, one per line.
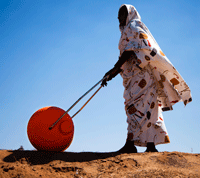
31 164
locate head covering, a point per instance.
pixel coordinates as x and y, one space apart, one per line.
132 14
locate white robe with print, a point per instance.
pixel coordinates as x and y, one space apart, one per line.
152 84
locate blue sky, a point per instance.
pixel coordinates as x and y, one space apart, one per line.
52 52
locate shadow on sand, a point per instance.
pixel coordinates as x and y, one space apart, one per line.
41 157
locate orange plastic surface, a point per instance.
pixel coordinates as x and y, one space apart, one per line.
58 138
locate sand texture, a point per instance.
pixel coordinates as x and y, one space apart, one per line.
32 164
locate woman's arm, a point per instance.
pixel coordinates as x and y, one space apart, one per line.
117 67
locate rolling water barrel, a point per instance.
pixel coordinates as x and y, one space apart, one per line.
58 138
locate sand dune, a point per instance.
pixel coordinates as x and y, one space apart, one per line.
32 164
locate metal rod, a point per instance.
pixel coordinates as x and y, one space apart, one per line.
76 103
86 102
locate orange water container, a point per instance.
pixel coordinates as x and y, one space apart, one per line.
58 138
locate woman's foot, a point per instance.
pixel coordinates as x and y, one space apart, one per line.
129 147
151 147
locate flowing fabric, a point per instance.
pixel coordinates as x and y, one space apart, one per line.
152 84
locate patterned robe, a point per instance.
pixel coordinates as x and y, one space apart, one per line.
152 84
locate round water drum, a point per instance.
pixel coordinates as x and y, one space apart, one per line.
58 138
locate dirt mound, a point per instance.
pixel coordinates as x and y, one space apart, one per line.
32 164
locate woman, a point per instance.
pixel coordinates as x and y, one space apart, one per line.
152 84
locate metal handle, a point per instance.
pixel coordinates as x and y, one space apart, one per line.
87 102
77 102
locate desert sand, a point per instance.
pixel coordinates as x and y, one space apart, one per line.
32 164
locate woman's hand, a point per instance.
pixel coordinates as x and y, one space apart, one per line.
109 75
